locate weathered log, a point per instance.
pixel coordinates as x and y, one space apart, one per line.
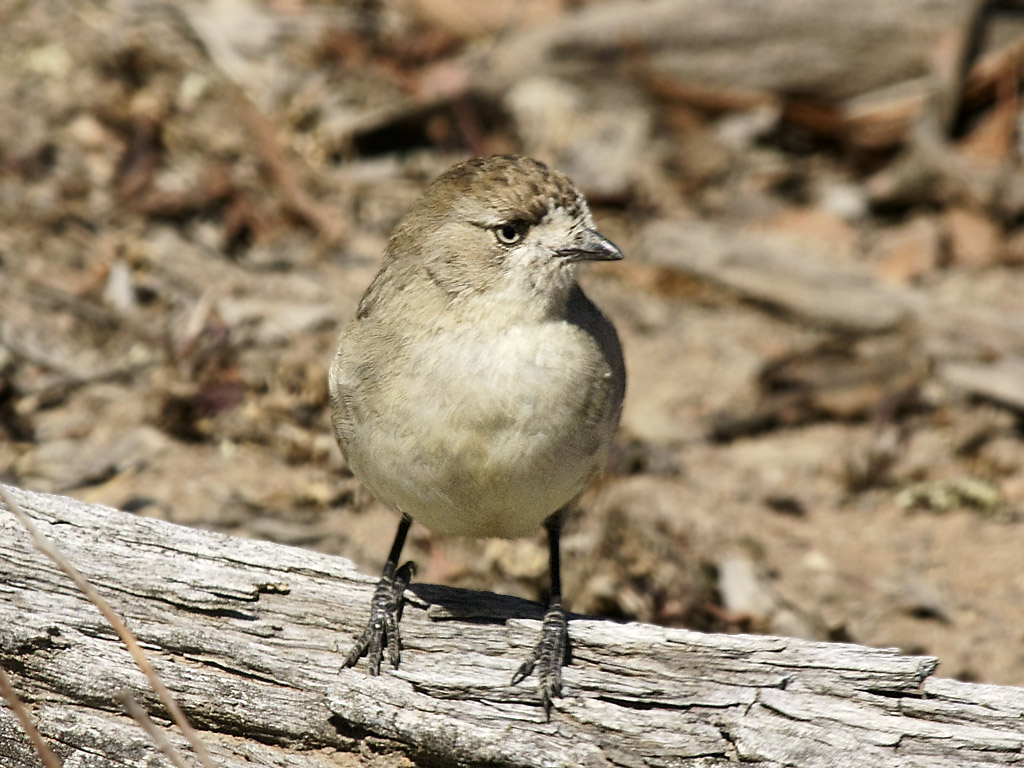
245 633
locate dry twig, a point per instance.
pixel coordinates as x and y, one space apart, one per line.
152 729
45 546
284 179
7 691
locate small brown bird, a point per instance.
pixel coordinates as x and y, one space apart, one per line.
477 389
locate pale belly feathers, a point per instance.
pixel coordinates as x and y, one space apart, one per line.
489 438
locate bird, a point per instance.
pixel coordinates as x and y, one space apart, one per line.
477 390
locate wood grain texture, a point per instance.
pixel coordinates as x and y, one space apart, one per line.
247 635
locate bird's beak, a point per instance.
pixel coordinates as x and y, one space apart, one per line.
592 246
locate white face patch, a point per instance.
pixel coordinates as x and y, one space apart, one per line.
535 266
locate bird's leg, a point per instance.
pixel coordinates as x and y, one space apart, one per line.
550 652
385 609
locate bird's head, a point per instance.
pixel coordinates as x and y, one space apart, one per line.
504 227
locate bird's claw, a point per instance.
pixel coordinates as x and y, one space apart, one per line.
549 656
385 613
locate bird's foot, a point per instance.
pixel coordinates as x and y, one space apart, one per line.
385 613
549 656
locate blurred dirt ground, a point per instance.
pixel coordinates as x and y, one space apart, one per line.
194 196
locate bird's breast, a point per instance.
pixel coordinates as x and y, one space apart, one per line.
487 434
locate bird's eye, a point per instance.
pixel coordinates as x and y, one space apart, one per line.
509 234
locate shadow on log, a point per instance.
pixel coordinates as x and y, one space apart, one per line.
247 636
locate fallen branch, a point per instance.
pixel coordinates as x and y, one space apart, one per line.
245 633
974 348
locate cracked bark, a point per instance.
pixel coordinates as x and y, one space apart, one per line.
248 634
